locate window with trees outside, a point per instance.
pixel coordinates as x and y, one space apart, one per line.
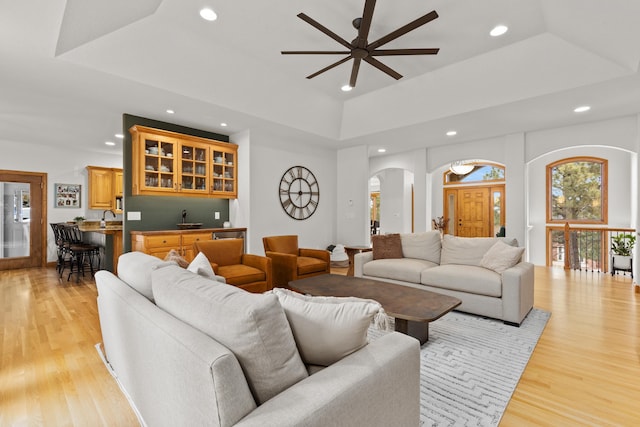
577 191
577 194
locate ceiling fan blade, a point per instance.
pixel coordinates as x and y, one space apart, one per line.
325 30
403 30
380 66
365 24
390 52
315 52
354 72
335 64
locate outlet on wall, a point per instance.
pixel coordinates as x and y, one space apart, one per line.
216 215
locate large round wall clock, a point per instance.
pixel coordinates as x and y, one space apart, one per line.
299 192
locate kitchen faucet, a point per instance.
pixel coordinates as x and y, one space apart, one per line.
103 223
184 215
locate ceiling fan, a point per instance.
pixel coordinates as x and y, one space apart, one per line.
360 49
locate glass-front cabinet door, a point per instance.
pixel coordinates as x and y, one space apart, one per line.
224 172
159 163
194 162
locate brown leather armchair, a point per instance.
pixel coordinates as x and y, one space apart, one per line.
247 271
291 262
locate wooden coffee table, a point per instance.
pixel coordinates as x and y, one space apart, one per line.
412 308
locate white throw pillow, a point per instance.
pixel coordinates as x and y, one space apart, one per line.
201 266
253 326
326 329
501 256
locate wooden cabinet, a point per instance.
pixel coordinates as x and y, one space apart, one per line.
172 164
159 243
105 188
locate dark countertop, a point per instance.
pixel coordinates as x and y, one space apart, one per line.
187 231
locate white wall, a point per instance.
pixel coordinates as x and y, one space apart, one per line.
270 157
61 167
352 197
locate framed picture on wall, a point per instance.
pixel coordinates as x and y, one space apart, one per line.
67 195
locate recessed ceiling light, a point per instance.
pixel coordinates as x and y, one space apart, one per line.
452 133
346 88
110 143
499 30
382 150
170 111
119 135
224 125
582 109
208 14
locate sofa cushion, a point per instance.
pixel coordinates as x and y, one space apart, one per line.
326 329
386 246
467 278
307 265
425 246
501 256
253 326
403 269
241 274
134 268
467 250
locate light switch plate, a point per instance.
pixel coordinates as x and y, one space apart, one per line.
134 216
216 215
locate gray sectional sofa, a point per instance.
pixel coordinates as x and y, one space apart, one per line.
177 375
489 277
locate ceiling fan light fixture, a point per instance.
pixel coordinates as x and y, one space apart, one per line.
208 14
460 167
498 30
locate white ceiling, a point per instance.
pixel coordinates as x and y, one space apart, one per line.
70 69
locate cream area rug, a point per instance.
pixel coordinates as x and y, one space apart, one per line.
471 365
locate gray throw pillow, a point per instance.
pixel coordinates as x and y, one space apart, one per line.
253 326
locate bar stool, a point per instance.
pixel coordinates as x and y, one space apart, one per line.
81 254
62 247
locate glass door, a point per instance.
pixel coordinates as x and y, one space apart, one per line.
21 231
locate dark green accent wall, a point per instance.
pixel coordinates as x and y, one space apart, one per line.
163 213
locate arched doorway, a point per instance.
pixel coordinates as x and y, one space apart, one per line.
391 201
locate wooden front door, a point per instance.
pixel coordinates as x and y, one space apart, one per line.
473 217
23 234
474 211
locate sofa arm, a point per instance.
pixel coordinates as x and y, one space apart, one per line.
379 385
517 292
316 253
359 260
284 268
142 344
262 263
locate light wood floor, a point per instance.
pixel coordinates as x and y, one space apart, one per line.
585 369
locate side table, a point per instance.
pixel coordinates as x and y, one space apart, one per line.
351 252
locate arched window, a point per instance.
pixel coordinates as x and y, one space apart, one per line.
577 191
473 172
